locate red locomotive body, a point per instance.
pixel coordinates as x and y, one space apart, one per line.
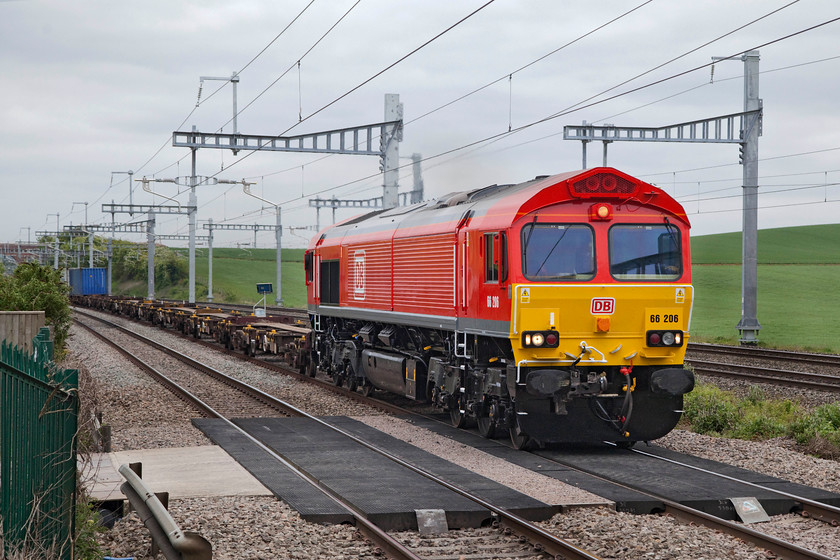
545 308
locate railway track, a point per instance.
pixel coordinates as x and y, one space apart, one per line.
531 540
780 548
203 387
761 374
762 366
746 352
808 508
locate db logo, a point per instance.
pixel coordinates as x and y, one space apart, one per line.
602 306
359 275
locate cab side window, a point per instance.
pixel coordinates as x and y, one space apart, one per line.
491 260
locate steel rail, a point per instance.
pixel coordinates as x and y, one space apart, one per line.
766 353
818 381
817 510
542 539
203 409
236 384
782 549
385 543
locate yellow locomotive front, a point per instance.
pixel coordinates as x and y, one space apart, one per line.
601 301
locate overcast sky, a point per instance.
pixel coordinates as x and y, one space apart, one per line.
91 87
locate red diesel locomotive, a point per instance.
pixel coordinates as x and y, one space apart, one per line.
556 309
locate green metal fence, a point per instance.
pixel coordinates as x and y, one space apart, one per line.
38 422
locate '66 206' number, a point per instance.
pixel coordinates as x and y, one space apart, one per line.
666 318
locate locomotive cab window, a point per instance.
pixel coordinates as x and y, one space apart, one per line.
558 252
308 266
645 252
494 250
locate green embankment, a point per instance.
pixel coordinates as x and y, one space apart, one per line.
798 287
236 273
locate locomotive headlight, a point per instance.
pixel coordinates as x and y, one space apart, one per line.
540 339
678 338
668 338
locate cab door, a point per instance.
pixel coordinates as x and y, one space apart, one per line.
492 269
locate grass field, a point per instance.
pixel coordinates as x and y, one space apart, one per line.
798 307
236 273
798 285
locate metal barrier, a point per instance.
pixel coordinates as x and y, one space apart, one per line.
174 543
38 423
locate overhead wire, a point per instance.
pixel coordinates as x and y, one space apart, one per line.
578 107
375 75
369 79
295 64
499 79
586 103
192 111
771 158
683 55
510 74
573 108
533 62
705 84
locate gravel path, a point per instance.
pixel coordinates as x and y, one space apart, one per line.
241 527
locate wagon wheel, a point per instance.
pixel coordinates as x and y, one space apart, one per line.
519 438
367 389
458 418
337 378
486 426
312 368
352 382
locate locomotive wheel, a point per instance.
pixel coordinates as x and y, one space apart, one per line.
486 426
519 438
458 418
